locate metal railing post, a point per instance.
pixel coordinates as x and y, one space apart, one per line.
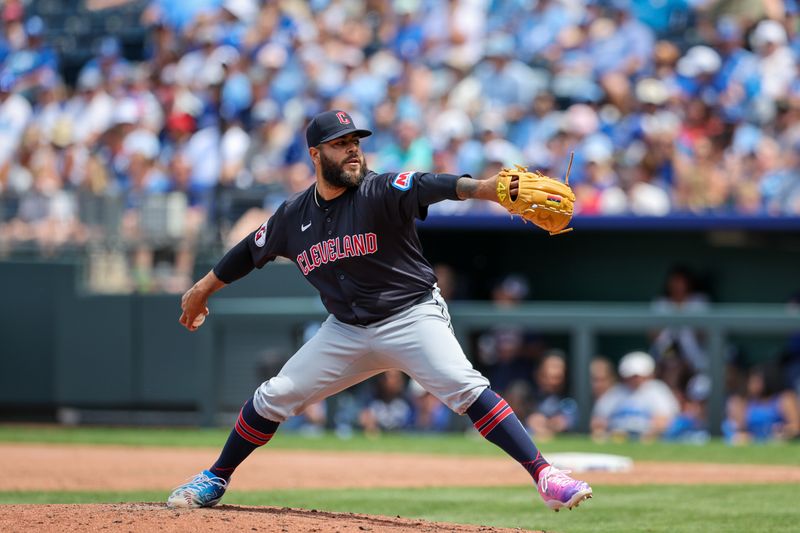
717 371
582 341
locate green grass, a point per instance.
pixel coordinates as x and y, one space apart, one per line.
713 452
701 508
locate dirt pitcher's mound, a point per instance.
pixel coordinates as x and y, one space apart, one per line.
148 517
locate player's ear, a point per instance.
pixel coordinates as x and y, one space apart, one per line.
313 152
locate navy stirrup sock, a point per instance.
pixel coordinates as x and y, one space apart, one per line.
496 421
250 432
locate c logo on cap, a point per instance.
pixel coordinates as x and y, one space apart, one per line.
343 118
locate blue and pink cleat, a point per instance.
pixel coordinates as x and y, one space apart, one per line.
559 490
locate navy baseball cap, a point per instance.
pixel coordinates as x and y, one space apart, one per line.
331 125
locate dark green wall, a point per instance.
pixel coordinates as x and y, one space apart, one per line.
59 347
623 266
28 319
95 342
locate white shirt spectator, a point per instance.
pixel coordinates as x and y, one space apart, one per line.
647 199
632 410
778 70
203 149
235 142
234 146
15 113
777 64
91 118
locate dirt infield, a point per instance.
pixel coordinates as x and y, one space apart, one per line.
34 467
148 517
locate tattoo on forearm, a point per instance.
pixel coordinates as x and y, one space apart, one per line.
467 188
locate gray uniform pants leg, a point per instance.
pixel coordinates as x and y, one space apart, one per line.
418 341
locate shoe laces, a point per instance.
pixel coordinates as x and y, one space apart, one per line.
202 481
559 478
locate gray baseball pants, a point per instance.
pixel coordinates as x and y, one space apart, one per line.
418 341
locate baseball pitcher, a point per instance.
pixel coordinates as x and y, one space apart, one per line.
352 235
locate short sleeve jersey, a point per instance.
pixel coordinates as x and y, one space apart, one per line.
360 250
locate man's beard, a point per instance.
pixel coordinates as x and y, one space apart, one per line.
335 174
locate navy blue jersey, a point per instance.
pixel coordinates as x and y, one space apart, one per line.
360 250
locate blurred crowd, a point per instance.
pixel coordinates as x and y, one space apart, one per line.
680 106
659 392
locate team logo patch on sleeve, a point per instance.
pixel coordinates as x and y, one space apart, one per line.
403 181
261 235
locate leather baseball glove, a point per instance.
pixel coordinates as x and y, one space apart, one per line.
546 202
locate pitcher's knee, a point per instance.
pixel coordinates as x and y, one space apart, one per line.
277 399
460 401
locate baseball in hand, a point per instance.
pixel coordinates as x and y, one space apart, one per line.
199 320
